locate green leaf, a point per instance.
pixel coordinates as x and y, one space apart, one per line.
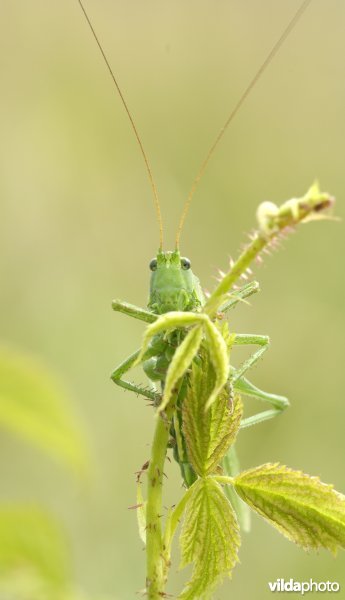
181 361
34 406
167 322
208 434
30 539
188 348
173 518
218 351
209 539
307 511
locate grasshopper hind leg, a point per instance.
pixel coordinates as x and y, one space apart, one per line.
245 387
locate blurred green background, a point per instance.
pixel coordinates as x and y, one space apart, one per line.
77 228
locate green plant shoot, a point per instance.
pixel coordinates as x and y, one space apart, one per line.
197 396
187 347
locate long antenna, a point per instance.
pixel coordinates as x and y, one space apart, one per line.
147 164
235 110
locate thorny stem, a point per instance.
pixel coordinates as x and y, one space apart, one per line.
241 265
155 559
272 221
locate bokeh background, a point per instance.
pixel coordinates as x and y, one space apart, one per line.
77 228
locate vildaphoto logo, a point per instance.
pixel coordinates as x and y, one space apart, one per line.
303 587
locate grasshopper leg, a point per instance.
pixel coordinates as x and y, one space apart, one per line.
244 339
143 315
279 403
133 311
127 385
239 296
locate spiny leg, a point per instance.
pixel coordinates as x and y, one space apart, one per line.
134 311
239 295
243 339
127 385
242 384
260 417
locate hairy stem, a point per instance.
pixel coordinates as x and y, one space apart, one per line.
272 220
246 258
155 560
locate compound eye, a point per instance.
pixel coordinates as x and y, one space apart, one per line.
185 263
153 264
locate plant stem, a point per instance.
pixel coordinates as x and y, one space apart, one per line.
272 221
155 563
246 258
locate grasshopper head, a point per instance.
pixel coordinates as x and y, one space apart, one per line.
173 284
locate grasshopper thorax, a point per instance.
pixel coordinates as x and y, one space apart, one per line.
173 284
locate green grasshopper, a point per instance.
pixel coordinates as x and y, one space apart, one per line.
186 332
175 292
